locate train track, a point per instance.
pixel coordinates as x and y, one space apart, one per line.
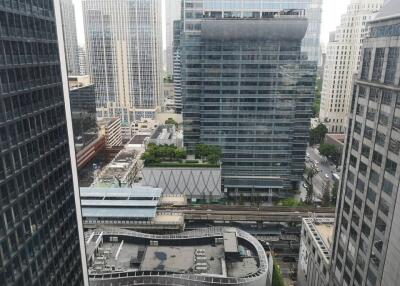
266 209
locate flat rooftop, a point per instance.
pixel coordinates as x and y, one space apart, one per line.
138 139
119 212
187 253
326 233
134 192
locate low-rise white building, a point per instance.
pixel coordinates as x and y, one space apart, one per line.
315 249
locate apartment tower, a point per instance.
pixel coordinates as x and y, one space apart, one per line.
367 232
342 61
124 55
41 233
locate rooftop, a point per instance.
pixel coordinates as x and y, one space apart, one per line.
326 233
138 139
321 230
390 10
199 255
126 193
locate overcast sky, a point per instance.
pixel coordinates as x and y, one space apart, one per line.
332 10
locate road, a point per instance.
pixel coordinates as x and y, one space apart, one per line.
325 167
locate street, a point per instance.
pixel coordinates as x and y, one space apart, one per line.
319 179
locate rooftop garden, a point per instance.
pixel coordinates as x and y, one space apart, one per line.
172 156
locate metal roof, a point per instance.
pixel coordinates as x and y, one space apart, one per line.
134 192
125 213
119 203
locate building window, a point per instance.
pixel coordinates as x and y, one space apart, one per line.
374 177
365 150
366 63
386 97
391 167
381 225
380 139
391 66
394 146
387 187
384 206
377 158
378 64
368 132
374 95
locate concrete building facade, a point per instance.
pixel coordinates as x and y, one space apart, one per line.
124 54
71 39
247 88
315 248
366 249
342 61
41 233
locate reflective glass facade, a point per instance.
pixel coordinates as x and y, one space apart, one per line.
39 240
240 8
123 42
250 94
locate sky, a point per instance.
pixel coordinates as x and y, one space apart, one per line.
331 14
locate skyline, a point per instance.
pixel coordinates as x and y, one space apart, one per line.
331 16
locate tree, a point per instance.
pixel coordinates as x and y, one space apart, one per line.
171 121
211 152
213 159
331 152
310 173
335 189
326 194
277 279
180 154
317 134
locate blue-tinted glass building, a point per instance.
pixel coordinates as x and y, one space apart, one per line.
248 87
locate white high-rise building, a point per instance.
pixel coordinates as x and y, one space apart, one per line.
124 55
71 40
342 60
82 60
172 13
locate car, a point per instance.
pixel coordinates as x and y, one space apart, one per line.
308 155
327 176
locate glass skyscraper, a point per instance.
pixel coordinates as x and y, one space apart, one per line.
123 44
39 234
248 88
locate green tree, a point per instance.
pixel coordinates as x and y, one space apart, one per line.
310 173
180 154
171 121
201 151
335 189
317 135
277 279
213 159
330 151
326 194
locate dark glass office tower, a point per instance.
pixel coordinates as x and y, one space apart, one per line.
367 232
39 241
247 88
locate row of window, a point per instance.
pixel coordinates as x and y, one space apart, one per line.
377 69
